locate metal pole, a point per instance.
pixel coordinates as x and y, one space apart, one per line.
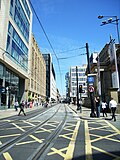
88 60
92 114
77 88
117 29
98 70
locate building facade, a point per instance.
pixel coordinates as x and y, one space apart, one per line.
15 36
36 84
67 84
104 66
82 79
51 89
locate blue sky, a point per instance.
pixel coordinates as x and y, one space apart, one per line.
70 24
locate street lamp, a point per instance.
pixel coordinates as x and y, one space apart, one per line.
111 21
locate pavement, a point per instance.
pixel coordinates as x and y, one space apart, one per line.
83 114
4 113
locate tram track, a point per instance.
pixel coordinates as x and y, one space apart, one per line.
38 153
30 114
6 146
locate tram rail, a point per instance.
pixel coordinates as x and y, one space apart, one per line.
6 146
38 153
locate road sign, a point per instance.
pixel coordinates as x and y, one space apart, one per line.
90 79
2 89
91 89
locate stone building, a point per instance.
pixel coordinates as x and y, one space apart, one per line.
36 84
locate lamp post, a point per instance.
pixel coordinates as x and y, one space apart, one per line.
111 21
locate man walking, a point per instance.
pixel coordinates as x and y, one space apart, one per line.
113 106
16 105
22 108
97 100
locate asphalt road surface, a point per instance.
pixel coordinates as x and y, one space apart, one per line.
57 133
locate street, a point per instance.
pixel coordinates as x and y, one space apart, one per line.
58 133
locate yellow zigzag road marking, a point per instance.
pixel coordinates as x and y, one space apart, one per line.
68 129
96 122
7 156
25 143
70 148
104 137
44 131
56 151
65 136
21 143
29 123
69 153
107 130
88 150
18 127
113 127
36 139
98 128
101 150
10 135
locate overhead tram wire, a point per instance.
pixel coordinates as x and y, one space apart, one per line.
71 56
47 39
72 50
43 30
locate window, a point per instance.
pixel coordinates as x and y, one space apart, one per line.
8 43
0 4
26 7
17 13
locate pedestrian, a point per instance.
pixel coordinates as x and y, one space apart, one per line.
16 104
97 100
113 106
104 108
31 104
21 108
26 106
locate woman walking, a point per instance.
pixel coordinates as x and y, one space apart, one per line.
104 109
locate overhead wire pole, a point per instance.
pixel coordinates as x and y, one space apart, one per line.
47 39
92 114
77 88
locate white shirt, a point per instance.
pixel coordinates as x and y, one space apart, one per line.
16 103
112 103
104 104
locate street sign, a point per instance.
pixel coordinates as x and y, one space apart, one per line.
91 89
90 79
2 89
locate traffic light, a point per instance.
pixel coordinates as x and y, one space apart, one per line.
80 88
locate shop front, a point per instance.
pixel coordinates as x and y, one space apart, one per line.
13 87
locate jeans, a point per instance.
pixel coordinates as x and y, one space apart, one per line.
98 111
113 109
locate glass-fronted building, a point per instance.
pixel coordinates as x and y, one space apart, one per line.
16 26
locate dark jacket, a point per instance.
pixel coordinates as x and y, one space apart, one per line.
21 106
